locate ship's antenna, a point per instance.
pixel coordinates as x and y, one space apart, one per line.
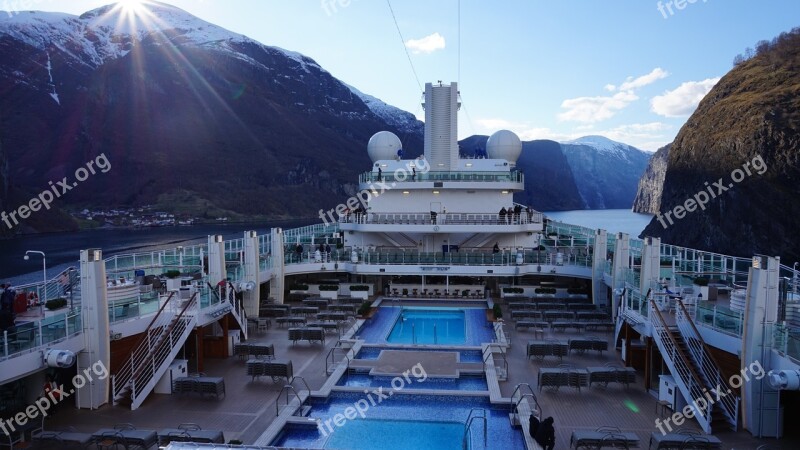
458 78
403 41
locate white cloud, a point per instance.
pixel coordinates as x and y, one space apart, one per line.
610 87
428 44
635 83
683 100
595 109
646 136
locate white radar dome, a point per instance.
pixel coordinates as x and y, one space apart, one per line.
504 144
383 145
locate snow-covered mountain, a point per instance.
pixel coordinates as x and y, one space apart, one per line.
607 172
178 101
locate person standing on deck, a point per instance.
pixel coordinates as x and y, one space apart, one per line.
546 434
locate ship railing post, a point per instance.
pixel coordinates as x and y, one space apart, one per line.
41 338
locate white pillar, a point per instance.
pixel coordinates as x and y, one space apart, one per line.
216 259
599 289
760 403
651 264
96 339
251 274
621 262
278 268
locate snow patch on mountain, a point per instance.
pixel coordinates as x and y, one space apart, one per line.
605 145
403 120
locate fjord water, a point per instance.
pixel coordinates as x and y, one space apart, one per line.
611 220
63 249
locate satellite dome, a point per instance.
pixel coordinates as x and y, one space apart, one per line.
383 145
504 144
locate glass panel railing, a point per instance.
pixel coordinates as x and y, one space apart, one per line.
26 336
513 176
721 318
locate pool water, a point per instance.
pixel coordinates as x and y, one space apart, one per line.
420 422
429 327
372 353
463 383
454 326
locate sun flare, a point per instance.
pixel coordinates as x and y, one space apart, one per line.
134 7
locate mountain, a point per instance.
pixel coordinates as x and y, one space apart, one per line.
606 172
741 149
549 182
648 195
191 117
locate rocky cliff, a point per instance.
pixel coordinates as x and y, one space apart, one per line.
648 194
739 155
549 182
606 171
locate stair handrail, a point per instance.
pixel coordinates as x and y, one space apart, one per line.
468 424
290 388
490 354
684 368
161 338
125 373
332 357
535 408
287 388
715 378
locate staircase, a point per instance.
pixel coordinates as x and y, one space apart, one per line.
677 357
707 366
234 305
158 347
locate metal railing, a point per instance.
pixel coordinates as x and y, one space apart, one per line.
290 388
680 366
121 380
330 359
709 367
441 218
488 353
30 336
513 176
161 347
480 414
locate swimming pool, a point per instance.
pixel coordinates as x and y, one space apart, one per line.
465 382
426 326
401 422
415 325
465 356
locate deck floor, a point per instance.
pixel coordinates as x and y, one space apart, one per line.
249 406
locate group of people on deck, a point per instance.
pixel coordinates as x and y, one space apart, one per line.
7 313
514 215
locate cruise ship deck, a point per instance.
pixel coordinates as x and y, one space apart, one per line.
273 339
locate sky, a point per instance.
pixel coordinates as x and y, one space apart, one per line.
630 70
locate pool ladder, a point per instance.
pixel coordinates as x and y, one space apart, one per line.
414 334
480 414
533 403
330 359
290 388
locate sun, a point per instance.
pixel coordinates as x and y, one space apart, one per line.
134 7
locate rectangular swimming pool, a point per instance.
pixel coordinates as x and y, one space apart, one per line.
401 422
426 326
466 356
466 382
415 325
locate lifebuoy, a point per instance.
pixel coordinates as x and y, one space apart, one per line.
33 298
